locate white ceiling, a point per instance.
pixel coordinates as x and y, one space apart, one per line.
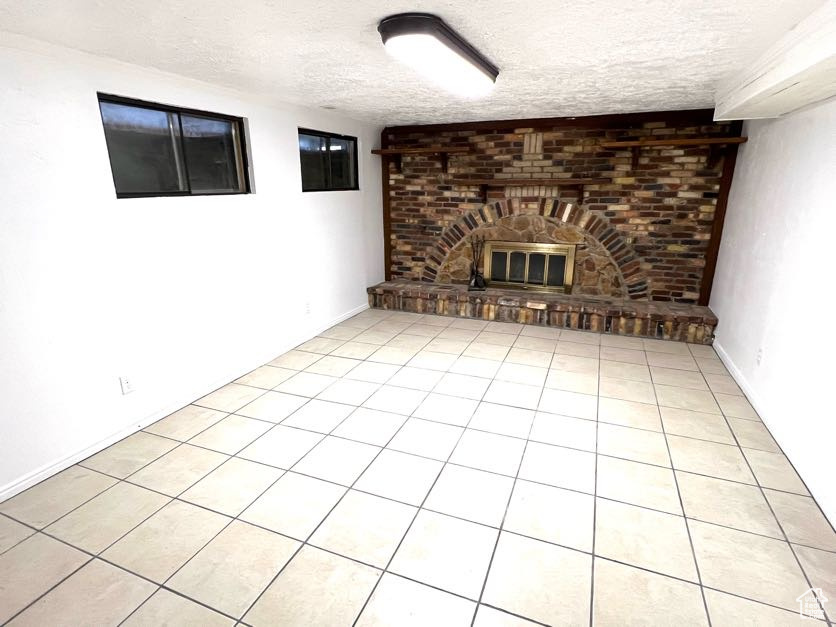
556 58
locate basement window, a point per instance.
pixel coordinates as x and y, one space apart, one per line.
158 150
329 162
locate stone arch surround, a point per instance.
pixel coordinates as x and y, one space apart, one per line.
623 256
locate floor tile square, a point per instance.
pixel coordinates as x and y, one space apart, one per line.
695 424
470 325
446 552
231 434
711 365
370 426
486 351
185 423
513 394
558 466
355 350
318 415
518 373
452 347
620 341
178 470
462 385
820 567
629 414
736 406
322 345
98 594
488 451
129 455
683 398
726 503
433 360
564 431
333 366
416 378
581 337
636 444
529 357
773 470
340 333
502 419
622 370
333 588
405 603
351 392
629 596
549 333
230 397
497 339
663 346
753 434
644 538
666 360
569 404
574 363
426 438
396 400
535 343
364 527
638 484
624 355
294 505
32 567
541 581
576 349
370 336
167 608
281 446
678 378
552 514
627 390
337 460
709 458
231 571
802 520
723 384
407 342
583 383
266 377
475 366
475 495
457 334
511 328
453 410
399 476
50 499
163 543
104 519
303 384
231 487
275 406
423 330
393 355
752 566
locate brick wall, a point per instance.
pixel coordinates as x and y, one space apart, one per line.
662 210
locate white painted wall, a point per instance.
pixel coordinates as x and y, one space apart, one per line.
182 294
774 288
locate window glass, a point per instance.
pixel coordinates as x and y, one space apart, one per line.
314 157
157 151
328 162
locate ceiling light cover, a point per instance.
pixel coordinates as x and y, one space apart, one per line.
427 44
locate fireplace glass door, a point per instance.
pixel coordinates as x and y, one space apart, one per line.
544 267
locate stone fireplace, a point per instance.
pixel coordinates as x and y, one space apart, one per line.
639 226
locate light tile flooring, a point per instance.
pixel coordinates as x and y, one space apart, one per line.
421 470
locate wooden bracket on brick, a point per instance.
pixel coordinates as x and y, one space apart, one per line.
443 153
635 162
717 146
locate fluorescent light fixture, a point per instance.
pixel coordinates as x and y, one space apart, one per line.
427 44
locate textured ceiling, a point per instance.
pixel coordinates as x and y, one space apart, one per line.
556 58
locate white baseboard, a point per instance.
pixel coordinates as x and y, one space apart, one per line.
47 470
734 371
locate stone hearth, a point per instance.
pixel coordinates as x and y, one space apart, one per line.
616 316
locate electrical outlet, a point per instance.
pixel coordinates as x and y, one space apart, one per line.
759 356
307 308
127 385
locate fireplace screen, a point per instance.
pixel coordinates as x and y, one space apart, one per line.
546 267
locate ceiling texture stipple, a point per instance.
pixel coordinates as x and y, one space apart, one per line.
556 58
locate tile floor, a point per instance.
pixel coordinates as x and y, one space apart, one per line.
420 470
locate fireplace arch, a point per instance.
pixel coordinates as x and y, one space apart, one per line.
596 230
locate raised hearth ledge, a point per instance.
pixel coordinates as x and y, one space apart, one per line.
646 319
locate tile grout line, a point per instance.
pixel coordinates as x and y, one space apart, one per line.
595 497
684 517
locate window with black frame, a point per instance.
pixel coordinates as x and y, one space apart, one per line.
157 150
329 161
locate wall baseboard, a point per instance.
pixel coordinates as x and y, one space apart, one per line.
44 472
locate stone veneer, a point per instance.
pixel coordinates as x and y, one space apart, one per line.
647 230
667 321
